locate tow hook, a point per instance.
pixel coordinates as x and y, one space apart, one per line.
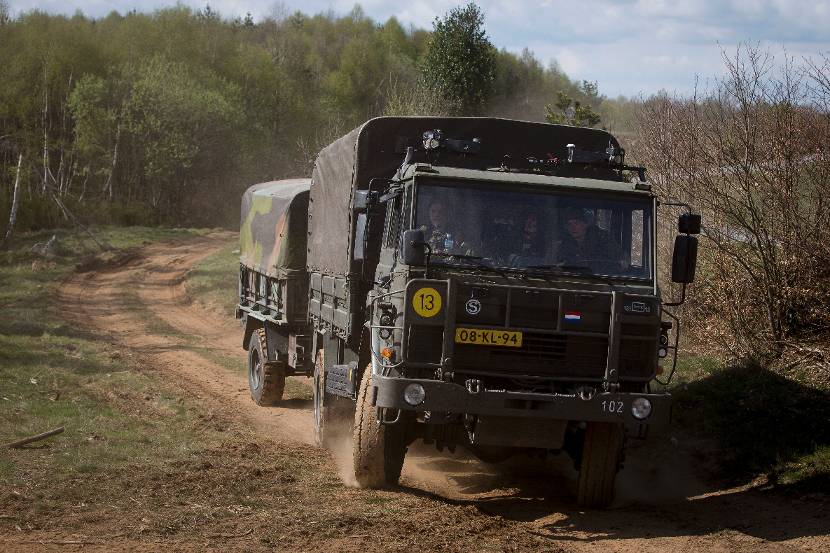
586 393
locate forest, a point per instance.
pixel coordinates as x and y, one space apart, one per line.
166 117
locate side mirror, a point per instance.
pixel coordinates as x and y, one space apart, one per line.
684 259
414 247
689 223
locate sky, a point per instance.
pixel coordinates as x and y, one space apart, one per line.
631 48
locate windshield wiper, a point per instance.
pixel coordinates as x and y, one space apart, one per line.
477 261
570 270
578 269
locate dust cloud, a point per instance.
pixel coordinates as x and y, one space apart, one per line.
338 442
340 447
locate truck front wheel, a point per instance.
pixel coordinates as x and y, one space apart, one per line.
378 450
266 379
601 454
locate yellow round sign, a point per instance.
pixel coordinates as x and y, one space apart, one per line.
426 302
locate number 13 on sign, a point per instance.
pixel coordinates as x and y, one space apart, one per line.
426 302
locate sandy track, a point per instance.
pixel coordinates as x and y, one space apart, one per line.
663 506
121 303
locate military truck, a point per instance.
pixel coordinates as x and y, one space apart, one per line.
475 282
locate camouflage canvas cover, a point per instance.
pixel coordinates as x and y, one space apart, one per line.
274 227
377 148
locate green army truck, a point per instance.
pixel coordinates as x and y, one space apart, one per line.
475 282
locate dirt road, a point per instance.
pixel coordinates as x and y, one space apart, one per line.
663 505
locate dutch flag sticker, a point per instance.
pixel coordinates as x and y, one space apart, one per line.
573 316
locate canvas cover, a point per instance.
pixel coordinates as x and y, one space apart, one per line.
377 149
274 227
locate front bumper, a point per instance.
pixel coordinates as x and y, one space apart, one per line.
447 397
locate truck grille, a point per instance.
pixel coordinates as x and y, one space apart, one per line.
540 355
551 345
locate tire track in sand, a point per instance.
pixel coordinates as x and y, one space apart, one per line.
115 302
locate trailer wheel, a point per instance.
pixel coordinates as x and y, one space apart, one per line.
266 379
601 453
378 450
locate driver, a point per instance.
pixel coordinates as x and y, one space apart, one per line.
439 234
587 245
528 244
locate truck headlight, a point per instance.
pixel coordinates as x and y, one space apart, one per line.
641 408
414 394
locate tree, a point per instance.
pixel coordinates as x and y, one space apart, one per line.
459 65
165 116
5 17
569 111
751 155
185 124
96 105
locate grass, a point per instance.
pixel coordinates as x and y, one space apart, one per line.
763 423
139 453
213 282
691 368
54 374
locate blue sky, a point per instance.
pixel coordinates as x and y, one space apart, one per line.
629 47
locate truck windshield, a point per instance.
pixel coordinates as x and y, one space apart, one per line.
584 233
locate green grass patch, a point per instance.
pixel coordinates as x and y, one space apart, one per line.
691 368
136 451
54 374
763 422
214 281
808 471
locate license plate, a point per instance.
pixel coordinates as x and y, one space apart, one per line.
488 337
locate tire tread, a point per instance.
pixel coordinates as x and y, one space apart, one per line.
378 451
598 469
273 374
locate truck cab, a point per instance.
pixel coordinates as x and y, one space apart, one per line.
519 311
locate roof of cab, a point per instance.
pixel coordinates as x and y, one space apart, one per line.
532 179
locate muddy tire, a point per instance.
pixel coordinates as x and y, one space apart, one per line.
266 379
378 450
601 453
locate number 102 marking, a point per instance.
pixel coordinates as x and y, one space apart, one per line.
612 406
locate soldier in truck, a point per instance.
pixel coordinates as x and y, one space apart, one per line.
586 245
441 235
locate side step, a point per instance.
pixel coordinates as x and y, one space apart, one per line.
299 346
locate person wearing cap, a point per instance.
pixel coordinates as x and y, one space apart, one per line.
586 245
